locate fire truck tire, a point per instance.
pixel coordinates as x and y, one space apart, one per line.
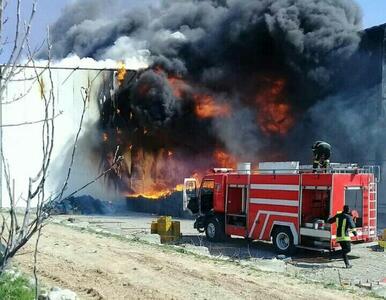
283 240
214 230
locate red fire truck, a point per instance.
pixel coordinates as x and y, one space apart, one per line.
286 206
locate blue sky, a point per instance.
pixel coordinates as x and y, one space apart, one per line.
374 13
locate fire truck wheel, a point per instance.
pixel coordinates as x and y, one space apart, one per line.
283 240
214 230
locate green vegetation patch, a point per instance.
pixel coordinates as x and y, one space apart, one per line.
15 288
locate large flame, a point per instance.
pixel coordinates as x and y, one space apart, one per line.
151 175
155 194
275 114
207 107
225 160
155 168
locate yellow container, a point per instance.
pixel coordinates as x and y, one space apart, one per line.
176 230
384 235
164 225
382 244
168 230
154 227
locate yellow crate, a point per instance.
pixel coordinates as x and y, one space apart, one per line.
154 227
384 235
164 225
382 244
168 230
176 230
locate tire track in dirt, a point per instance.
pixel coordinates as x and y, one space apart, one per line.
101 267
51 276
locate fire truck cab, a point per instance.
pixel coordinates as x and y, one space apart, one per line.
289 207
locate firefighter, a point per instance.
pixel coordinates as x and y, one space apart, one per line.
344 222
322 152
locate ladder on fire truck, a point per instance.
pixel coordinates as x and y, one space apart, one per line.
372 209
373 195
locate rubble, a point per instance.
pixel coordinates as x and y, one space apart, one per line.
57 293
170 205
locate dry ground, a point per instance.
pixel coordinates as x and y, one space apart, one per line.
99 266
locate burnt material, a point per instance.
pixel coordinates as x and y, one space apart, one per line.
170 205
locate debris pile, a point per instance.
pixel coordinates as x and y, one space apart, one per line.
170 205
84 205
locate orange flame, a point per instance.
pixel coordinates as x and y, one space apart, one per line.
224 160
176 83
156 194
179 187
275 114
206 107
121 72
153 174
197 176
105 137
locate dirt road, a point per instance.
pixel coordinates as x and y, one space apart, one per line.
97 266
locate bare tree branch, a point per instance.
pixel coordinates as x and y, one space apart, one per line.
12 236
10 67
32 122
1 19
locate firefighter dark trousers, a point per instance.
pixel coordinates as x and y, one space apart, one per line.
346 249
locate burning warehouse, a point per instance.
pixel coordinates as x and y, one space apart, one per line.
224 82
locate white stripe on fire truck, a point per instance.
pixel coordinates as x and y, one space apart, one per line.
283 202
275 187
315 232
268 214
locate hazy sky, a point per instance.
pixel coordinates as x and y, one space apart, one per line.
374 13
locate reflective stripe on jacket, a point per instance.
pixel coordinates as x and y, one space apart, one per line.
344 223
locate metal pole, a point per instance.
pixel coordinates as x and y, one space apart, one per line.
65 68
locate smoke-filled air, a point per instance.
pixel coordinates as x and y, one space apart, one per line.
225 81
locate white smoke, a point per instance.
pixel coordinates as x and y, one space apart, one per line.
22 144
133 54
134 59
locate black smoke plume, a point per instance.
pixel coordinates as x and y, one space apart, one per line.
256 80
